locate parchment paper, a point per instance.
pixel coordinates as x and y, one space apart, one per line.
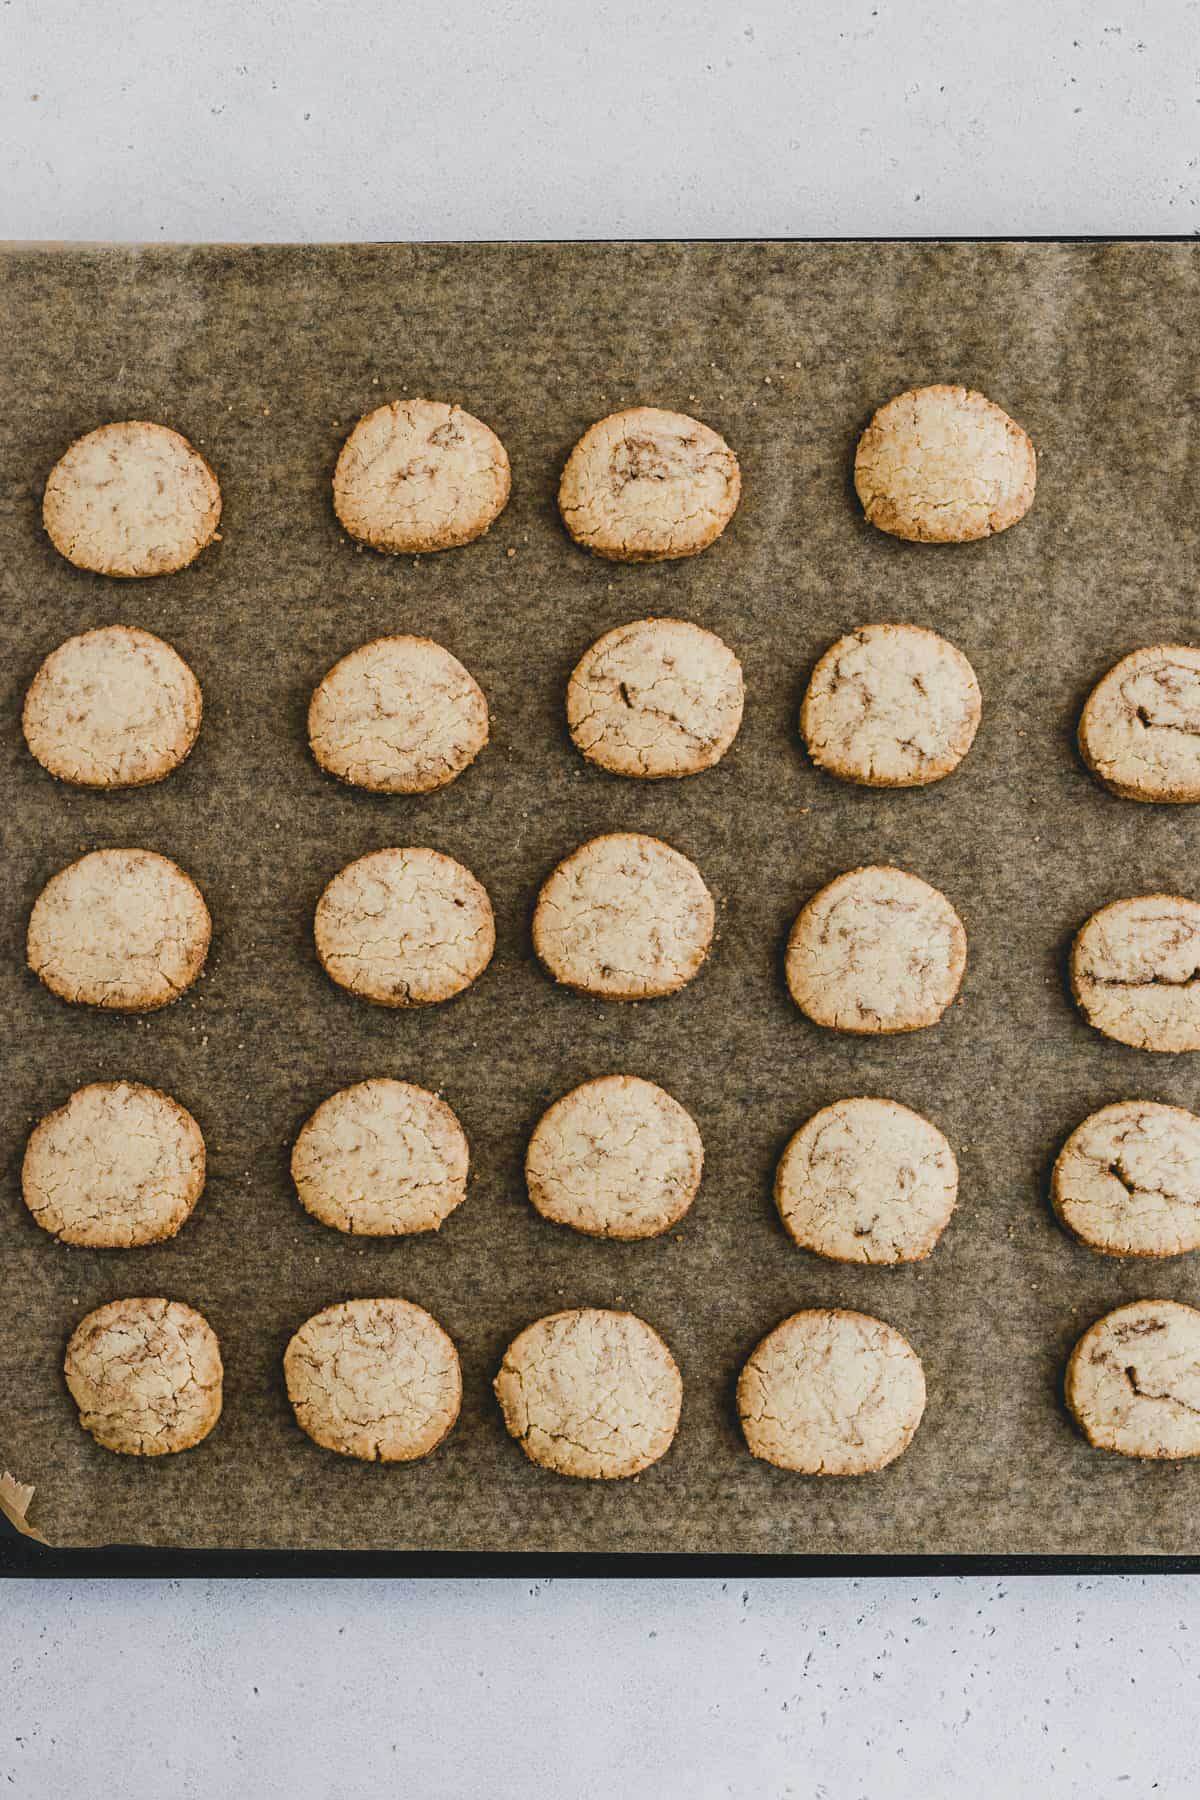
265 357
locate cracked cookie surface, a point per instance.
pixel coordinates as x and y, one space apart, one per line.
617 1157
399 715
119 1164
659 697
867 1181
420 475
1127 1181
116 707
132 499
375 1379
1135 972
891 706
1133 1380
1139 732
380 1159
830 1392
624 917
944 465
646 485
877 950
590 1393
146 1376
404 927
126 930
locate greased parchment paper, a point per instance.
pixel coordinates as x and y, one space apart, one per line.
265 358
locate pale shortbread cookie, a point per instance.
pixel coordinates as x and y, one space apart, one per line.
645 485
115 707
405 927
376 1379
590 1393
867 1181
399 716
877 950
1133 1380
656 698
831 1393
944 465
1135 972
131 499
1140 730
146 1376
381 1158
1127 1181
624 917
419 475
891 706
123 929
617 1158
120 1164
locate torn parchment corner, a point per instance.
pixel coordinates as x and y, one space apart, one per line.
14 1505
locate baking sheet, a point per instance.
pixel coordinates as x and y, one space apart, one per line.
265 357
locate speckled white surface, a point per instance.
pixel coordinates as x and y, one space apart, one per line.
139 120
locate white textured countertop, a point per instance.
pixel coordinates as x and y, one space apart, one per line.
385 119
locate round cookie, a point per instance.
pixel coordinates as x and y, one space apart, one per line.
891 706
590 1393
1135 972
112 708
877 950
831 1393
1140 730
660 697
646 485
944 465
1127 1181
615 1158
375 1379
126 930
867 1181
419 475
120 1164
380 1159
1133 1380
131 499
146 1376
624 917
404 928
399 716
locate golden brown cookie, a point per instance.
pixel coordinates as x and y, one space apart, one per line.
120 1164
944 465
660 697
375 1379
399 715
830 1392
1140 730
380 1159
891 706
1135 972
867 1181
131 498
590 1393
624 917
146 1376
126 930
405 927
617 1158
646 485
419 475
1133 1380
112 708
1127 1181
877 950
